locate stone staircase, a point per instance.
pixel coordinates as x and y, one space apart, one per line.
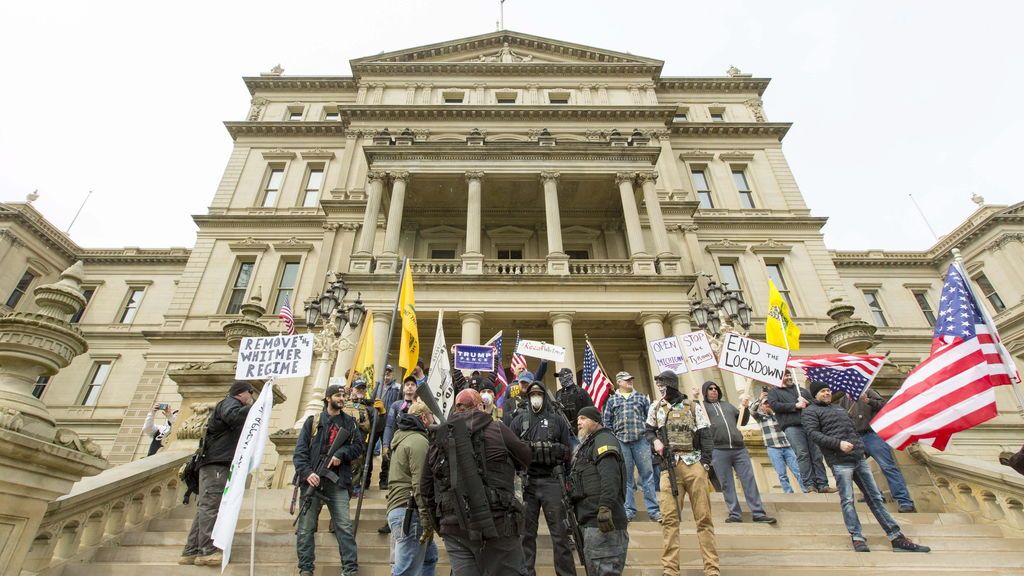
809 539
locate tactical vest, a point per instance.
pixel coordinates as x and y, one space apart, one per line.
571 403
680 422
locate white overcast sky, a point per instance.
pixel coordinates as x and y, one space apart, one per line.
887 97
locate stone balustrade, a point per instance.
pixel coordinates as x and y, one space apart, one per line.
516 267
523 267
101 508
600 267
436 267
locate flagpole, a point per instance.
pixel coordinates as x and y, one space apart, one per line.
252 540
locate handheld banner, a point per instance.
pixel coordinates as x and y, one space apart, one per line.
668 355
541 350
697 350
281 356
469 357
753 359
439 380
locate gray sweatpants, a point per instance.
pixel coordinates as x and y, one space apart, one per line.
738 460
212 479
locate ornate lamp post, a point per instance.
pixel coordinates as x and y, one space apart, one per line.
721 311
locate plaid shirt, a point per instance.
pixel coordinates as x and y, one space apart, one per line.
626 415
773 437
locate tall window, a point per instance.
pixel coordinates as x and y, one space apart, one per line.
87 292
312 191
20 289
242 277
775 273
286 285
578 254
332 116
100 371
871 297
727 272
442 253
987 289
926 308
510 253
718 116
40 386
273 187
743 187
294 114
131 306
700 184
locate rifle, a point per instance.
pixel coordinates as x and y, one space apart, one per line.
575 531
324 472
669 461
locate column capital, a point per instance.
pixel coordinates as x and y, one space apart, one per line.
402 175
376 175
549 176
621 177
474 175
645 318
472 316
559 317
645 177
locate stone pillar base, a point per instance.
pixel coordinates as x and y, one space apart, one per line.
643 265
360 264
472 263
558 264
670 265
284 443
387 264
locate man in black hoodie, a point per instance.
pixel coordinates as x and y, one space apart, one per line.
731 454
788 402
831 428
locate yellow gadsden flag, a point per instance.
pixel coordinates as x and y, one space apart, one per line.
363 360
409 348
780 330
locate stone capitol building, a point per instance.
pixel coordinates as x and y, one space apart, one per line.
562 191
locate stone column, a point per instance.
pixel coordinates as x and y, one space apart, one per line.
561 324
363 257
558 262
642 262
473 259
381 322
653 330
471 322
669 263
388 261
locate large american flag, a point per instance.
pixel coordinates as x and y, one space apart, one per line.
848 373
595 382
286 315
518 363
499 370
953 389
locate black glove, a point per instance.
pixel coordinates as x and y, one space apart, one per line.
604 519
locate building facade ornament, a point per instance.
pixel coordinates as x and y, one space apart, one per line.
549 176
474 175
293 244
688 227
621 177
401 175
70 439
249 243
504 55
378 175
257 104
317 154
278 154
11 419
756 107
651 176
725 245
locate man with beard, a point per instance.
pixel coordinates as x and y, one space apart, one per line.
788 403
413 543
315 439
547 433
680 432
467 486
598 481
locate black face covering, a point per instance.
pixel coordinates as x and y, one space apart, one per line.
673 396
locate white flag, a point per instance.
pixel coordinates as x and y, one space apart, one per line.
440 378
248 454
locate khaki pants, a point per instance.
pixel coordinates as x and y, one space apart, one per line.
693 480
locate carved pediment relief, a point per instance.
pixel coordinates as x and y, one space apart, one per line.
443 231
771 246
249 243
507 233
725 245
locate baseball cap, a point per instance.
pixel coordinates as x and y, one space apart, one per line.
623 376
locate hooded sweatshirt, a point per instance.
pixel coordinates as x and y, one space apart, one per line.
408 453
724 432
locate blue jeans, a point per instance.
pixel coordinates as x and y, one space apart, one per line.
411 557
638 453
305 544
812 469
847 475
882 453
781 457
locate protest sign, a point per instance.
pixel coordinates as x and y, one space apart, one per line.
469 357
697 350
541 350
668 355
753 359
439 380
281 356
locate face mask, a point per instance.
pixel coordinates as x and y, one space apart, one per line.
488 398
536 402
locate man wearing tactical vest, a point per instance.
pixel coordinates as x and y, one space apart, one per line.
598 491
547 432
358 412
467 485
571 398
680 432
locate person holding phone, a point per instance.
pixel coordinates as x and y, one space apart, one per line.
159 432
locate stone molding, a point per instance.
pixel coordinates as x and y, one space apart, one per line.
713 84
249 244
278 154
736 156
771 246
696 155
473 112
775 130
293 244
236 129
725 245
317 154
298 84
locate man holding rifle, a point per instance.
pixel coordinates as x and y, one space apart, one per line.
680 433
327 446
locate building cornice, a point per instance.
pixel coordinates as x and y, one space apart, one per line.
742 221
441 112
238 128
259 221
485 69
135 256
776 130
512 151
714 84
298 83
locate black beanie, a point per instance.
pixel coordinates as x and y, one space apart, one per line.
816 387
239 386
591 413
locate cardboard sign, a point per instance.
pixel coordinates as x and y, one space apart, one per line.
541 350
668 355
697 350
469 357
281 356
753 359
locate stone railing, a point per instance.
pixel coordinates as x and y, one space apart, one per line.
600 267
516 267
436 267
988 491
101 508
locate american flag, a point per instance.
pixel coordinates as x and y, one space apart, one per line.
848 373
595 382
499 370
285 314
518 363
953 389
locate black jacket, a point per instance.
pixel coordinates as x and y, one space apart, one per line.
572 399
783 402
725 435
548 425
598 478
310 446
223 430
827 425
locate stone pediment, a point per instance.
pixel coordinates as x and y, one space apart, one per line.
506 47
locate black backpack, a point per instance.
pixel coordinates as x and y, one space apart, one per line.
189 473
